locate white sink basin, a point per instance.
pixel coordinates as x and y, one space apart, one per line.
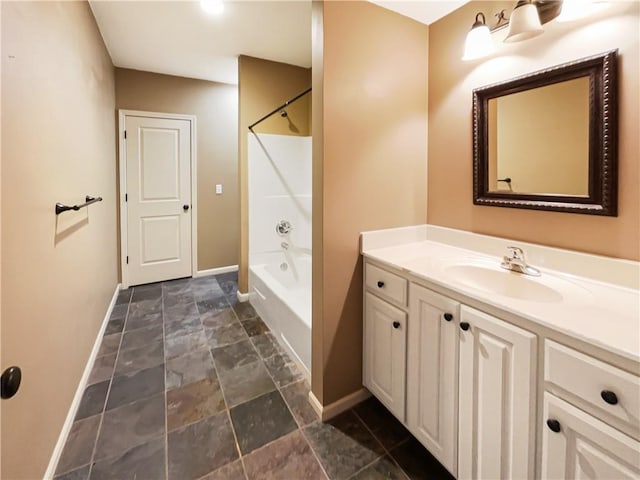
498 281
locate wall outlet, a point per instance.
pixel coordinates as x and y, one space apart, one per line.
218 189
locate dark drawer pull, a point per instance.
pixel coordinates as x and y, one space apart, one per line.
464 326
554 425
396 324
448 317
610 397
380 284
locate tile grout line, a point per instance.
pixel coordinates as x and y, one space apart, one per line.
166 406
226 404
387 452
300 427
106 398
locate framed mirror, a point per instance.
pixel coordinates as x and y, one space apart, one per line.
548 140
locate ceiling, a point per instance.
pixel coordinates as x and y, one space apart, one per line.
179 38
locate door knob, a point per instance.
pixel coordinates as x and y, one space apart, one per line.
10 382
185 207
464 326
448 317
396 324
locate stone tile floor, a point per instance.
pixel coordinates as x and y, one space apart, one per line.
189 384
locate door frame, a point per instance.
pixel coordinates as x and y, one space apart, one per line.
122 166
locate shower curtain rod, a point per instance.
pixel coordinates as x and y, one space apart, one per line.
276 110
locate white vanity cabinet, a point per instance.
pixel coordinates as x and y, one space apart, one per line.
496 398
469 377
432 373
474 391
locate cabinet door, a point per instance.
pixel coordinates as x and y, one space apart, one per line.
385 348
584 447
497 398
432 373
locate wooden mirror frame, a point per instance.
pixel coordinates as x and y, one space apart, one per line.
602 199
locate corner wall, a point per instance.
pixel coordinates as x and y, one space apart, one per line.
369 171
58 272
263 85
215 106
451 82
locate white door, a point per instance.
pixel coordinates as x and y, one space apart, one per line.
432 373
158 193
581 446
385 347
497 391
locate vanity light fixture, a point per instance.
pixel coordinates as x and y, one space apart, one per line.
524 22
479 42
215 7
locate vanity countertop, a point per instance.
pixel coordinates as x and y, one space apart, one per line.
598 313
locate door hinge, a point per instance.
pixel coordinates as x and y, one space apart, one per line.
126 197
127 259
125 134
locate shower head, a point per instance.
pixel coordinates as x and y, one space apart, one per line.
283 113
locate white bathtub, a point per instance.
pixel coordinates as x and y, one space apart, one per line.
283 299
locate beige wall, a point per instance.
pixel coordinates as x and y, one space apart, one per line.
58 273
371 172
451 82
216 107
264 85
543 139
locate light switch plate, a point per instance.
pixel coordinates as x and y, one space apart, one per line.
218 189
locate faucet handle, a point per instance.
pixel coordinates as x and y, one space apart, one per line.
516 253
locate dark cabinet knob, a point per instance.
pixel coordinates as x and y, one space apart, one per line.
448 317
609 397
10 382
396 324
185 207
464 326
554 425
380 284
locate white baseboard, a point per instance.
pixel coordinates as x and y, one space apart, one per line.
75 403
339 406
216 271
242 297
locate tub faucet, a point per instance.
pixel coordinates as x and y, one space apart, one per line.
516 262
284 245
283 227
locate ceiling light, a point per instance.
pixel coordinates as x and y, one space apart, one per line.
577 9
479 42
212 6
524 22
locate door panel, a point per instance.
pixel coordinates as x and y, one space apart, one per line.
497 398
158 163
432 374
385 353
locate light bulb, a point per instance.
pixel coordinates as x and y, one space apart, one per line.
577 9
215 7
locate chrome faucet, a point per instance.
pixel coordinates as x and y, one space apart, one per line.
516 262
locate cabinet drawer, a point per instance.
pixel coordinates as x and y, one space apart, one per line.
610 390
386 284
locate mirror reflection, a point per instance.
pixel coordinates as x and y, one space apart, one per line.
538 140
